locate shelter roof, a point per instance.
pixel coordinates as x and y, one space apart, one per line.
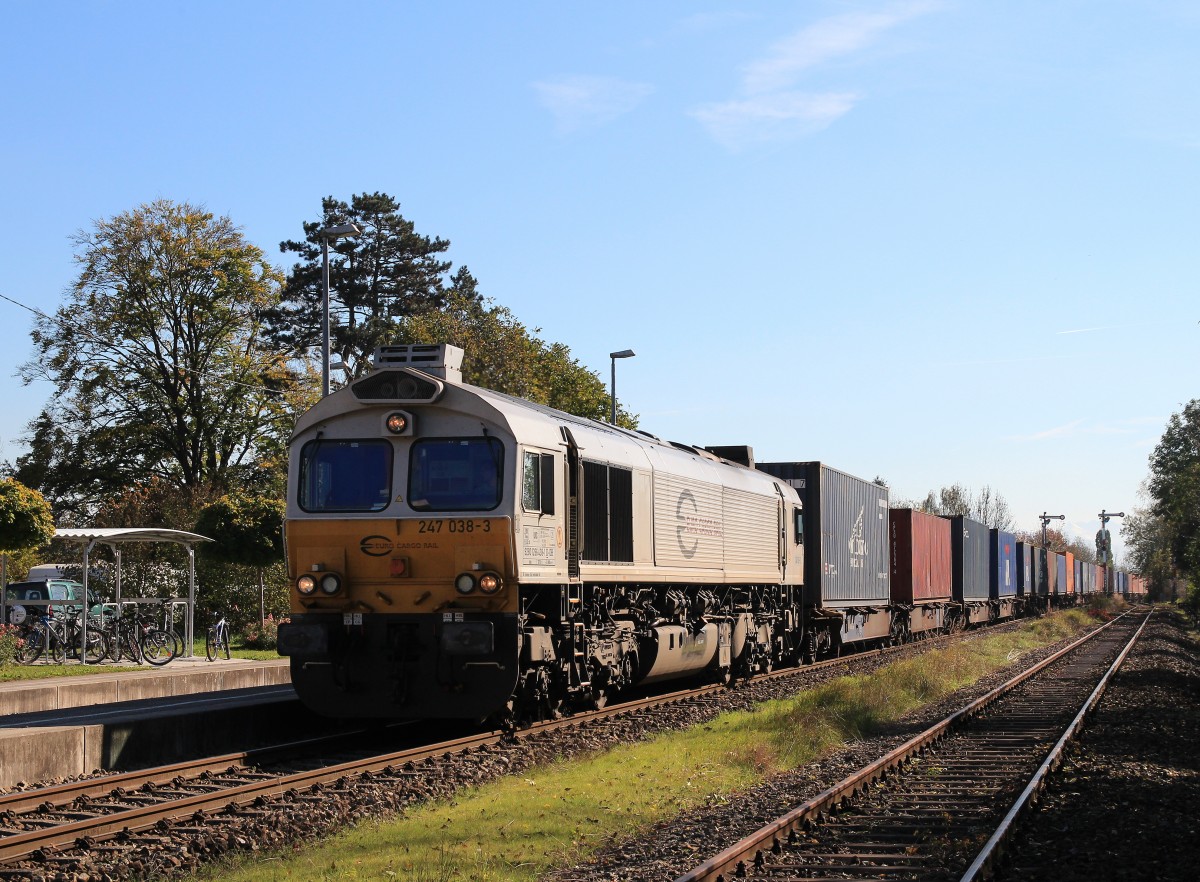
111 535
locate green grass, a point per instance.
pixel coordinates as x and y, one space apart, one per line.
13 672
516 828
236 650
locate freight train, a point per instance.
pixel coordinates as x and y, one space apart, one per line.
460 553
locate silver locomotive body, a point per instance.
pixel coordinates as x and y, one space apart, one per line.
456 552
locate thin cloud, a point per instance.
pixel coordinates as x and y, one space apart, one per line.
771 106
1064 431
580 102
822 42
1081 427
1088 330
769 117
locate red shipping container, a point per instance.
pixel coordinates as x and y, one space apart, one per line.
1070 572
921 559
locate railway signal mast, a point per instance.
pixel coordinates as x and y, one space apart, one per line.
1104 543
1046 519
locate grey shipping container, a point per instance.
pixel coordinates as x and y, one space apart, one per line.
1037 569
1051 558
971 554
1003 576
845 534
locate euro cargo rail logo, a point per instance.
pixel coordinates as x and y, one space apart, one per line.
376 546
692 526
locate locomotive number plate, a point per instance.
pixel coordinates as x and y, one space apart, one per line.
454 525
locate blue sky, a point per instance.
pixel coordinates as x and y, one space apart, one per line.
931 241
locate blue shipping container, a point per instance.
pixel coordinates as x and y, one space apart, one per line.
1003 576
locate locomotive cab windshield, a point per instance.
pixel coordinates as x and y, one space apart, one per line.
345 475
455 474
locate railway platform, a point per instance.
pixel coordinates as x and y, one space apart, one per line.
65 726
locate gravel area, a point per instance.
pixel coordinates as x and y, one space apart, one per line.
680 844
666 852
1126 803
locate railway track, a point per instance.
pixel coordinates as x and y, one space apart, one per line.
109 818
945 804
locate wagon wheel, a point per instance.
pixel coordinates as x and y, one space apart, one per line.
808 652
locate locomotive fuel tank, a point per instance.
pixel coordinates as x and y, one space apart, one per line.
677 651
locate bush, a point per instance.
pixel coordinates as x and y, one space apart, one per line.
264 636
9 641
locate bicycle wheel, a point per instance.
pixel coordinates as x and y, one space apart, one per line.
225 641
58 646
212 643
129 646
29 649
159 646
97 647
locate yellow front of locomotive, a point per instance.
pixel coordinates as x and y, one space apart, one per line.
400 552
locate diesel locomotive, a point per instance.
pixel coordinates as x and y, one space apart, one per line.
457 552
460 553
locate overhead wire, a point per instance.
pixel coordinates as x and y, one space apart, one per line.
101 342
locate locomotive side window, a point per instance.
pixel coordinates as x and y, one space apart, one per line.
455 474
537 482
799 525
343 475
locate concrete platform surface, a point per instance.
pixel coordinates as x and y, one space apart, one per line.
183 676
130 719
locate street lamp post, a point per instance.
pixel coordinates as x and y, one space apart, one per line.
624 353
326 234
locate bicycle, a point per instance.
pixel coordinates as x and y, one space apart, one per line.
158 645
123 635
97 648
35 637
216 642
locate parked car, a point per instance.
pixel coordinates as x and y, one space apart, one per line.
20 594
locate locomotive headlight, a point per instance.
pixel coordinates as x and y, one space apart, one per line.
489 583
330 583
465 583
306 584
397 423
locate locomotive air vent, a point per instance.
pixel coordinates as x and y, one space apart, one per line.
439 359
394 386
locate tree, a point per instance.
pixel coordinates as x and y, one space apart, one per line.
159 361
1149 544
1061 542
384 274
988 507
500 353
25 521
247 530
1174 488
